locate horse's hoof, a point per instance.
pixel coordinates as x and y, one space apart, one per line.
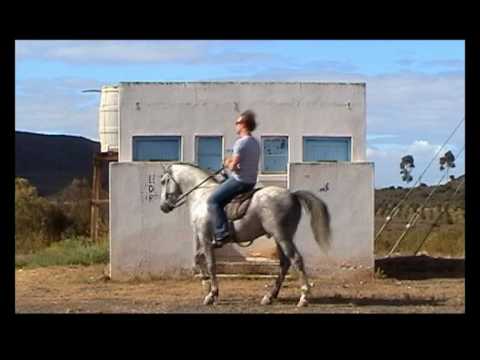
302 302
209 300
267 300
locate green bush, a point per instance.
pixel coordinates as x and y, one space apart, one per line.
74 201
38 222
75 251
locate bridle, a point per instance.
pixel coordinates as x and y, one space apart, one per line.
174 203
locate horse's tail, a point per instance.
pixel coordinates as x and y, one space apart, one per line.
319 217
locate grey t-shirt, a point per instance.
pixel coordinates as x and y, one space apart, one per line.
248 148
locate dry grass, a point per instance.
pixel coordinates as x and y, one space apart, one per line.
67 252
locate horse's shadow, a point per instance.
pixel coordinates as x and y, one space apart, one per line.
363 301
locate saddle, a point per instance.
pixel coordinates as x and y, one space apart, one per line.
237 208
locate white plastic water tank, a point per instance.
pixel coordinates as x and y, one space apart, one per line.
108 119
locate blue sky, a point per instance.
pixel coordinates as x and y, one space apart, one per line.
415 89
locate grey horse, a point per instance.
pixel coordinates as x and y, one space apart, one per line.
273 211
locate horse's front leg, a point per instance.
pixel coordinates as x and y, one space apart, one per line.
201 264
212 296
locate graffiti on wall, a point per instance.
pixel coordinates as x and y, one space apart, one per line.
151 189
325 188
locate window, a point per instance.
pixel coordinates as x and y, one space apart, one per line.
316 148
275 154
209 152
156 148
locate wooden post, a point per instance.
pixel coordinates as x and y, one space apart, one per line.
96 184
96 202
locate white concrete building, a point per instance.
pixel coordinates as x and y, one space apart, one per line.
313 137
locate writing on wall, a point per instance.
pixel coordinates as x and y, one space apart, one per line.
150 188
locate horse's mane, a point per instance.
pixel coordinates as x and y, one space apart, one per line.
196 167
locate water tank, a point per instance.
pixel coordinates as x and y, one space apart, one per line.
108 119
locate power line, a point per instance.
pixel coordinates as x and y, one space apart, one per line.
395 209
438 217
413 219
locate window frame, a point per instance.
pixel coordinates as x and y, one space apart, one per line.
135 138
329 137
195 146
262 154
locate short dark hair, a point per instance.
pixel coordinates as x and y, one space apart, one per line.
248 118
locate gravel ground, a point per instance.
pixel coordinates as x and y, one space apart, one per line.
78 289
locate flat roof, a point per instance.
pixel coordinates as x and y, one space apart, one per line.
129 83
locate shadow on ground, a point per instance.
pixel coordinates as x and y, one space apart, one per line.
420 267
339 300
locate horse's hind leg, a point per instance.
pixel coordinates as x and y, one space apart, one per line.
276 286
290 250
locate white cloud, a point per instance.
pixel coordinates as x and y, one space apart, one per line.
387 159
111 52
423 147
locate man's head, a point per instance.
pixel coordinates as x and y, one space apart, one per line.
246 122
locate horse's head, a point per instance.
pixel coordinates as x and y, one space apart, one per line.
170 192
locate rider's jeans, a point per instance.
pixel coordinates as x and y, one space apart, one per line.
221 197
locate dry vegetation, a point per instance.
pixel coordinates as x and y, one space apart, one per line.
55 230
447 237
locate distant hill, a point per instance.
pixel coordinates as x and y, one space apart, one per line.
51 162
388 197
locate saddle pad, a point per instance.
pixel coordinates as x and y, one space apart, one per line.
237 208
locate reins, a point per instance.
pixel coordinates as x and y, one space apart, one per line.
184 195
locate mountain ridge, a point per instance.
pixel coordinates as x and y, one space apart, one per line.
51 162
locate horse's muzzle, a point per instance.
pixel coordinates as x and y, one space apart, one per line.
166 207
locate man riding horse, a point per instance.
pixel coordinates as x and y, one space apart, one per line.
244 167
271 211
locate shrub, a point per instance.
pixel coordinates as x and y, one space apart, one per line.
38 222
74 201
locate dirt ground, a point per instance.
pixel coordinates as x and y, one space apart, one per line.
78 289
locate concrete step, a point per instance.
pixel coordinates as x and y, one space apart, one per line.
260 267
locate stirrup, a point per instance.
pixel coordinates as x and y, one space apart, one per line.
219 243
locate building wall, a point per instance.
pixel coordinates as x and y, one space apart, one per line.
293 109
145 242
348 191
138 228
